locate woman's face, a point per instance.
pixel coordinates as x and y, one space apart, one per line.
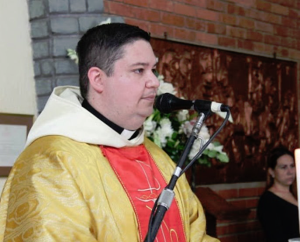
284 172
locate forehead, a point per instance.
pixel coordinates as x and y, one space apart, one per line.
140 50
285 160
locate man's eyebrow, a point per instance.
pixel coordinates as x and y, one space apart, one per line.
142 64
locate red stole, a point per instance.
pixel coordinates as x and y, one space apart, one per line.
143 182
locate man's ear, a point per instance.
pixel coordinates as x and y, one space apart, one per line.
96 77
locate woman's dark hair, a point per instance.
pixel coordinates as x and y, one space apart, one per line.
272 162
275 154
102 46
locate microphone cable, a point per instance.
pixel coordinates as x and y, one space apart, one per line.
152 215
227 110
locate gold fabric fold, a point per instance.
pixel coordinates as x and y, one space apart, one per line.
63 190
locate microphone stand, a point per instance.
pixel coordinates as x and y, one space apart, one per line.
165 199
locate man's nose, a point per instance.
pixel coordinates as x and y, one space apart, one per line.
152 80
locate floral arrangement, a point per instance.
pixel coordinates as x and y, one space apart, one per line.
73 55
171 131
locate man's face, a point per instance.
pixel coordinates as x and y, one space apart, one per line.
130 91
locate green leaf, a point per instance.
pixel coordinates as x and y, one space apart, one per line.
212 153
205 152
223 157
203 160
216 143
174 135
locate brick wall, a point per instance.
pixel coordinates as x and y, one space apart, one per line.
267 28
242 195
261 27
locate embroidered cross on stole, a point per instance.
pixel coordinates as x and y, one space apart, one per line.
143 182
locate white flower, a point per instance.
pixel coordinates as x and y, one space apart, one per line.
165 87
218 148
187 128
149 125
73 55
163 132
166 127
198 143
211 146
107 21
156 138
204 133
160 137
182 115
160 77
203 137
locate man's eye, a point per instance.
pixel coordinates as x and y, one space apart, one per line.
139 71
155 72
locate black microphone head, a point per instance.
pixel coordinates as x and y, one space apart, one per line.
167 103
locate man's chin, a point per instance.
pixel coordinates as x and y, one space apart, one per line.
148 112
141 117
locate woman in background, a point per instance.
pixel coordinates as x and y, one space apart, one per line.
278 207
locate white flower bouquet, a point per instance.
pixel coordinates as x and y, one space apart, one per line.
171 131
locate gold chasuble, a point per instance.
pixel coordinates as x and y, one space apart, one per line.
143 182
80 180
71 192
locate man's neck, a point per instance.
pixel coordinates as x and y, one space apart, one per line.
129 134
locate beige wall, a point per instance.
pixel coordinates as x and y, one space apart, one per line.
17 92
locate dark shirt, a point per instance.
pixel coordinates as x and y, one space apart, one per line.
278 218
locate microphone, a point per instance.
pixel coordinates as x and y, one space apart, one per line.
167 103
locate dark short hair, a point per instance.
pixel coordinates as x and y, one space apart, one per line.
102 46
